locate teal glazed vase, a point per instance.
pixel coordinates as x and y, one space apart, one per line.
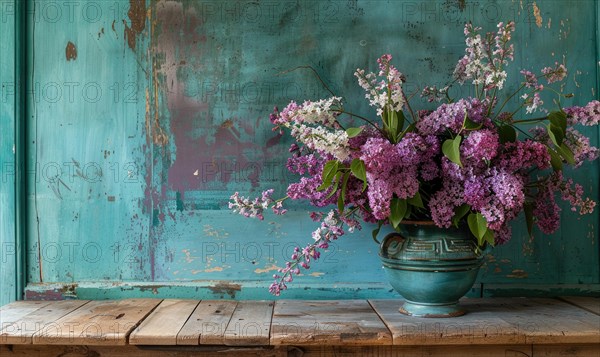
431 267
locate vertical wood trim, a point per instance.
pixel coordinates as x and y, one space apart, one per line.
21 31
7 159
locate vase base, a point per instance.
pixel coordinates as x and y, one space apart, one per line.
431 310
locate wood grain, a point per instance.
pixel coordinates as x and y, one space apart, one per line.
17 310
496 321
22 330
98 323
250 324
340 322
207 324
164 323
588 303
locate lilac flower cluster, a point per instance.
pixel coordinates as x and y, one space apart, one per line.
330 229
458 160
486 57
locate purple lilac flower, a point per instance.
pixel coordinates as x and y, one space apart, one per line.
451 117
508 188
546 213
556 74
580 145
588 115
330 229
480 145
521 156
444 201
530 79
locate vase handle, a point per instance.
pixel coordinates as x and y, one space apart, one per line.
391 244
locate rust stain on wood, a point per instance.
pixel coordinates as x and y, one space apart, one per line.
462 4
224 288
71 51
137 16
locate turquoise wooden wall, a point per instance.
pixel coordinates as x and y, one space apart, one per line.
144 116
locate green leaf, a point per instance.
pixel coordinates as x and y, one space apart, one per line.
459 213
556 134
566 153
416 200
507 134
451 149
408 211
477 225
401 120
397 211
487 237
329 170
357 166
336 183
559 119
555 159
375 232
342 197
471 125
352 132
528 209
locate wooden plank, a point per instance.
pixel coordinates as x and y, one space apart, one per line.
22 330
139 351
411 351
208 323
15 311
347 322
571 350
478 326
164 323
98 323
497 320
591 304
250 324
548 320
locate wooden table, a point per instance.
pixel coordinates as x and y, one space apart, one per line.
153 327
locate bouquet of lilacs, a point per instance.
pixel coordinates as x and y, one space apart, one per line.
470 161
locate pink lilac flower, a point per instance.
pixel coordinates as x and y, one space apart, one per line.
521 156
480 145
573 193
530 79
546 212
444 201
508 188
451 117
588 115
580 145
330 229
556 74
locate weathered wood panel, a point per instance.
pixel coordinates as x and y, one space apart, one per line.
146 115
349 322
495 321
8 159
207 324
98 323
163 325
22 330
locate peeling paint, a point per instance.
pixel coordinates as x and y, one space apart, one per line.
273 267
518 274
537 15
224 288
137 17
71 51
